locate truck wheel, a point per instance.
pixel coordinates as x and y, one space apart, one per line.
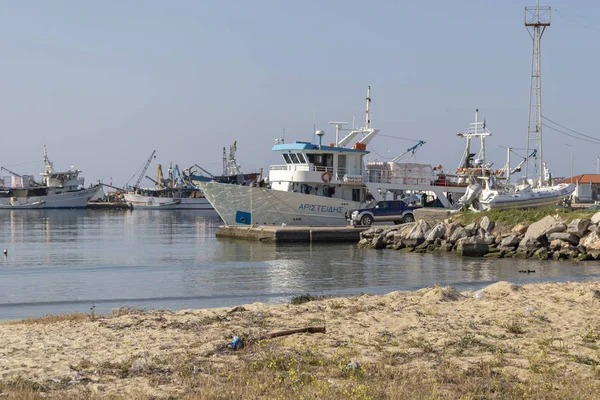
408 218
366 220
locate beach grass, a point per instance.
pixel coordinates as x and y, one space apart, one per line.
539 341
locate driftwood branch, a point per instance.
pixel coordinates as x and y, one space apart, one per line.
310 329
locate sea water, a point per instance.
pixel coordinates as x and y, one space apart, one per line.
76 260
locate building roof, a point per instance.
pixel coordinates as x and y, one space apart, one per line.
583 178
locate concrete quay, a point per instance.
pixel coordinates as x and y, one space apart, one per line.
292 234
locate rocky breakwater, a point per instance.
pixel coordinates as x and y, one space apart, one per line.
549 238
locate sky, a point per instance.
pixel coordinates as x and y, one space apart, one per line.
103 84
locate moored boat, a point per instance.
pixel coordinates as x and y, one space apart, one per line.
63 189
319 183
172 193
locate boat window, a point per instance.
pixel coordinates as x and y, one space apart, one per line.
311 158
301 158
294 158
286 157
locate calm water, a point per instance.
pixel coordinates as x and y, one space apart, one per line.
68 260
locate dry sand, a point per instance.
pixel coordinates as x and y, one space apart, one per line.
134 353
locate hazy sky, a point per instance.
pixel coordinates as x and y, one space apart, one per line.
104 83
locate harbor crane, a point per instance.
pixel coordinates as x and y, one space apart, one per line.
137 183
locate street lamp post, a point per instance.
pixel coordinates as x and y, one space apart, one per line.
571 147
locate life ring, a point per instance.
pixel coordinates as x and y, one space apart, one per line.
326 177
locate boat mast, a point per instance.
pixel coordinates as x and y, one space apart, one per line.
536 20
368 111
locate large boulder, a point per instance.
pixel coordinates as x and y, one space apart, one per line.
520 229
437 232
528 245
472 228
378 242
472 247
595 218
487 224
416 236
458 234
539 229
510 241
578 227
557 228
450 229
591 243
564 236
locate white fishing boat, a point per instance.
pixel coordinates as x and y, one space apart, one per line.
524 196
319 183
172 193
531 193
57 189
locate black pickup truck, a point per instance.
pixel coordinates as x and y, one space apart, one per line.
388 210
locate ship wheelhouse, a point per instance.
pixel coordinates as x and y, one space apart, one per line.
327 171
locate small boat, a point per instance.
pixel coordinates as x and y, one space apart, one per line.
57 190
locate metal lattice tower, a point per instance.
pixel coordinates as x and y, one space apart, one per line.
537 19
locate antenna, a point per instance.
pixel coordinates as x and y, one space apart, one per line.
338 128
537 19
368 110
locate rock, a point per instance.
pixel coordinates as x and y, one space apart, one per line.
378 242
364 242
520 229
578 227
489 239
541 254
487 225
594 228
472 228
564 236
450 229
538 229
595 218
528 246
510 241
584 257
437 232
591 243
389 235
446 246
472 247
459 233
556 244
416 236
558 228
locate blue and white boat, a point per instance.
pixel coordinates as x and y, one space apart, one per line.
319 183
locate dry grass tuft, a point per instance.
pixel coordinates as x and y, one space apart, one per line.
51 319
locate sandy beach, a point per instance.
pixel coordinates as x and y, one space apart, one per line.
505 341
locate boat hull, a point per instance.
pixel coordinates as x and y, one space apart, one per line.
74 199
541 197
248 205
141 202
